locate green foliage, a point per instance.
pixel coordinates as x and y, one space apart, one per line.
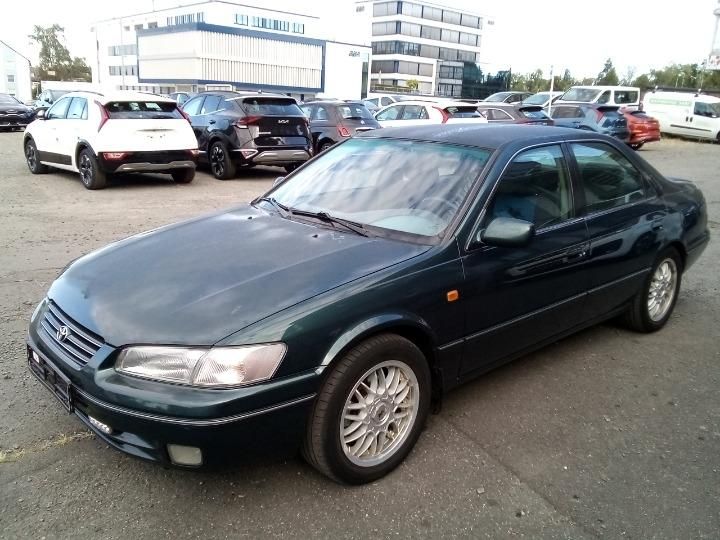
55 57
412 84
608 76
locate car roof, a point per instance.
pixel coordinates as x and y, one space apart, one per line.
119 95
234 94
605 87
488 136
438 102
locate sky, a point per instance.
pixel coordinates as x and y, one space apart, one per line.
575 34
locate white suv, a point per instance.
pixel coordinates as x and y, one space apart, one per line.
421 113
101 134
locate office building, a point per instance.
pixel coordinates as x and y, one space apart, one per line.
15 73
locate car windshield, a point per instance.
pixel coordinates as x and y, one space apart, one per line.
8 100
537 99
355 111
403 186
137 110
500 96
584 95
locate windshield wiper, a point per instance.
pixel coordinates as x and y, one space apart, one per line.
357 228
281 208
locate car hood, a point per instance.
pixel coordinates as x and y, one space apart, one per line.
197 282
5 107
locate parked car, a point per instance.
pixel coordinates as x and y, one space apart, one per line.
180 97
605 119
244 129
13 114
47 97
685 113
543 98
333 121
385 100
331 311
643 128
371 106
414 113
98 135
507 113
508 97
623 96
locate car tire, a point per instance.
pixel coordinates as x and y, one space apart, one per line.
290 168
183 176
33 159
343 404
327 145
91 175
647 313
222 166
636 146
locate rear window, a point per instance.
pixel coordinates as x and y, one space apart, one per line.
354 111
567 112
535 114
463 112
585 95
152 110
271 107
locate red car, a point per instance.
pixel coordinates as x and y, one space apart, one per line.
643 128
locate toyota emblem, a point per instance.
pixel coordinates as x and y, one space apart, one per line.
62 333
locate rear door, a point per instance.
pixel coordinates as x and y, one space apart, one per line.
145 125
206 120
75 127
625 219
276 121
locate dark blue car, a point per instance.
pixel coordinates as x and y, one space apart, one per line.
605 119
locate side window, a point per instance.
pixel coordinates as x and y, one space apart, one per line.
77 109
227 105
604 97
414 112
211 104
609 179
192 107
307 111
59 109
391 113
535 187
322 114
386 101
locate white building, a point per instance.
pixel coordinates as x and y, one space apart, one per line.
15 74
438 46
219 44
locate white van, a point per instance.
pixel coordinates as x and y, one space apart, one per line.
622 96
685 113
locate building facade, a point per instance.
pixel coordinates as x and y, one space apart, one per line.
226 45
437 46
15 73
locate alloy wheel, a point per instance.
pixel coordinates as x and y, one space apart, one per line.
86 169
31 156
662 290
379 413
217 160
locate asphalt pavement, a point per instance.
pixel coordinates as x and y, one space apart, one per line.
606 434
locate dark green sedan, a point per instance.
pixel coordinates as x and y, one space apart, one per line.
331 312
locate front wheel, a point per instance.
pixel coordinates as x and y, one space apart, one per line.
183 176
91 175
290 168
655 301
636 146
370 410
33 158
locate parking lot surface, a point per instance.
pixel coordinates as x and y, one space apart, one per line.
605 434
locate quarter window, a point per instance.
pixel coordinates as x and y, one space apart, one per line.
609 179
414 112
535 187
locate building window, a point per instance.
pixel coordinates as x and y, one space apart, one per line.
11 78
430 32
138 27
126 28
298 28
385 8
425 70
450 72
434 14
188 18
384 66
152 25
122 50
465 56
471 21
451 17
409 29
384 28
241 19
359 9
451 36
429 51
468 39
411 10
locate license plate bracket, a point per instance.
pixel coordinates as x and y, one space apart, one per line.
52 378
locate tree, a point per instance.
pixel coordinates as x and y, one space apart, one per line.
55 57
628 77
642 82
608 76
412 84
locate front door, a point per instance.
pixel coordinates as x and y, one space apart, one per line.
47 139
516 297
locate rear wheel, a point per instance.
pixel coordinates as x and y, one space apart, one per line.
33 158
91 175
290 168
221 164
183 176
370 410
655 301
636 146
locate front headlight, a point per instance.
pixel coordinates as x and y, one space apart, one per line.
210 368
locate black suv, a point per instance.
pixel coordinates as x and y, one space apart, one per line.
244 129
333 121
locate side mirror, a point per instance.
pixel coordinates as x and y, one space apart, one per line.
40 114
278 180
507 232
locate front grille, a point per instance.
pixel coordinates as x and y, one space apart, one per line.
78 344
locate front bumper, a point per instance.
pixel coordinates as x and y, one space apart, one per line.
160 161
14 121
223 424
